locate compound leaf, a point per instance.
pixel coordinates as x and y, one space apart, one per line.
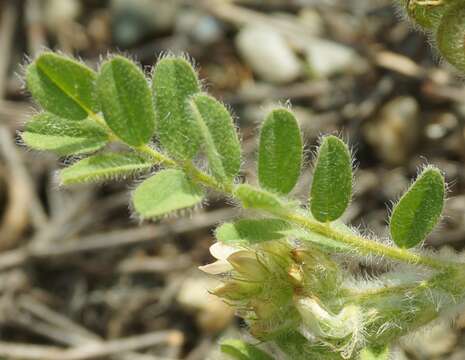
47 131
419 209
166 192
104 167
252 231
280 152
174 81
62 86
126 101
219 136
332 180
240 350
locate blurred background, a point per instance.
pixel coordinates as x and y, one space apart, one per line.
80 278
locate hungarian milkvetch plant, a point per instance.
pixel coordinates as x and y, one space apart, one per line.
284 265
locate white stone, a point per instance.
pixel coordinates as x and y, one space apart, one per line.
59 11
268 54
326 58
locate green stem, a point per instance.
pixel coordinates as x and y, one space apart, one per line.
158 157
363 245
207 180
451 281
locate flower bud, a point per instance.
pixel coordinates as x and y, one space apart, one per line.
247 264
263 309
236 290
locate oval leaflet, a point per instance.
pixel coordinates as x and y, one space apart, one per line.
332 180
62 86
126 101
418 210
280 152
165 192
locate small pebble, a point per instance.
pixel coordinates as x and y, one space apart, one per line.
441 126
268 54
61 11
326 58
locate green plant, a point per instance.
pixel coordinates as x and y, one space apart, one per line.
285 260
444 21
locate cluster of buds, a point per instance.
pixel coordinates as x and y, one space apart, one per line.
294 291
280 287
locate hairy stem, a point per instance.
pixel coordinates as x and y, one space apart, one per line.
363 245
